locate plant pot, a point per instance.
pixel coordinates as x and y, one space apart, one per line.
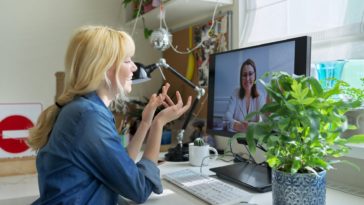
298 189
147 7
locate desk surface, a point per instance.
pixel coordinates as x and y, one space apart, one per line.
24 189
176 196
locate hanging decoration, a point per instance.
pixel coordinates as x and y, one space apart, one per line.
218 40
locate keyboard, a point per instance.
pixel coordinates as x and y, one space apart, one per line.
211 190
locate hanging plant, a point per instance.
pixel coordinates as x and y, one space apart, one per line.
147 32
139 11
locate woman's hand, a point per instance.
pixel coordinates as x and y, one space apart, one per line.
172 111
154 102
240 126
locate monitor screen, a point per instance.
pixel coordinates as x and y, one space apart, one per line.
232 75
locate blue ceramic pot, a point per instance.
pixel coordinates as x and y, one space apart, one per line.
298 189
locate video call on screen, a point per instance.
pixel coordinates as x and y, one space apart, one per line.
274 57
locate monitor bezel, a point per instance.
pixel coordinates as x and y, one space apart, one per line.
302 65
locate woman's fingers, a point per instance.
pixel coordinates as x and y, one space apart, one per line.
165 89
179 99
174 111
153 96
182 109
168 101
165 105
187 105
152 99
162 96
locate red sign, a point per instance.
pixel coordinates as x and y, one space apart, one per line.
12 130
15 121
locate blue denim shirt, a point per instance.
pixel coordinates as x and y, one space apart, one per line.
84 161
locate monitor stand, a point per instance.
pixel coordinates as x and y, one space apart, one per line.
177 154
253 176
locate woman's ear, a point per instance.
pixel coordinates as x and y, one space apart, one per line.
111 72
111 77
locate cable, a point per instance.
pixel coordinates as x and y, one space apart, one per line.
239 158
226 155
163 19
251 158
202 164
236 156
137 17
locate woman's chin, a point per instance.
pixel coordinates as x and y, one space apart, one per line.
248 88
127 90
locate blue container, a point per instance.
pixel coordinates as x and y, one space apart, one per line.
328 71
166 137
298 189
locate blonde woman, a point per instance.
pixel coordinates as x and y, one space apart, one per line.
80 158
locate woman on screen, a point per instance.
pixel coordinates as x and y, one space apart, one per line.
244 99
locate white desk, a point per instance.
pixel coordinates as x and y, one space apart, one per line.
20 190
176 196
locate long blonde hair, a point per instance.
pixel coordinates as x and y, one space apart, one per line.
92 51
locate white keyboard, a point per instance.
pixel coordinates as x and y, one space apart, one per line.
209 189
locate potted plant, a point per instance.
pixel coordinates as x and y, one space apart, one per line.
355 116
199 142
138 11
302 134
199 152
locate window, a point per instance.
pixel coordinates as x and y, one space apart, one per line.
336 28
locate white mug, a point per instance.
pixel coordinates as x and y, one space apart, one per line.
197 154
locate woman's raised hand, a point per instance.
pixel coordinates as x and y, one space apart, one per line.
173 110
154 102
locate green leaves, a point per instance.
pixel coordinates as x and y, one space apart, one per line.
353 93
296 165
250 138
300 94
273 161
303 124
315 86
356 139
147 32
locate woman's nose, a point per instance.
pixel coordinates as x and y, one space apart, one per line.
134 67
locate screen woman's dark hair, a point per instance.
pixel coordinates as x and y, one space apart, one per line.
254 91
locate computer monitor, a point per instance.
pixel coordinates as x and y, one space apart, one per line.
291 55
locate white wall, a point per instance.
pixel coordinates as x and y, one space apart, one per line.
34 37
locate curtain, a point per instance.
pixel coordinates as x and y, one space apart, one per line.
336 26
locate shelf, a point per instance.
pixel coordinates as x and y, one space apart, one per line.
180 13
